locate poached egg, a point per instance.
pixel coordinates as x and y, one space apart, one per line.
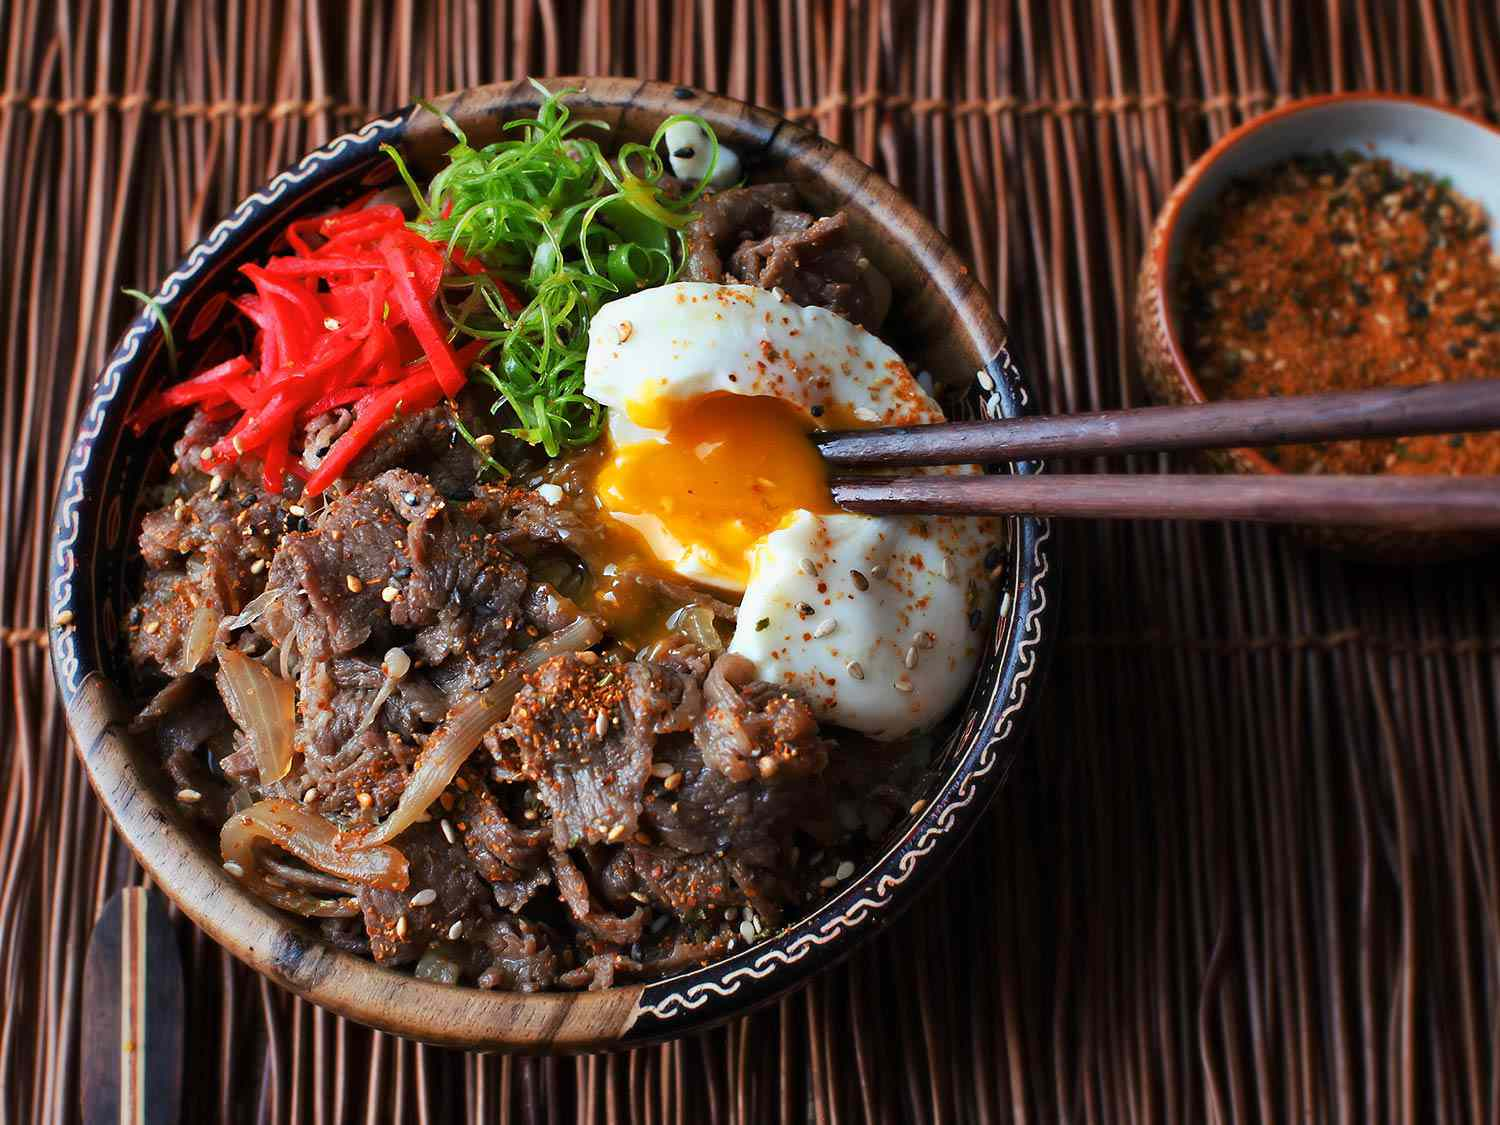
711 391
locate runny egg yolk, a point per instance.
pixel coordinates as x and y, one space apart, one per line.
728 470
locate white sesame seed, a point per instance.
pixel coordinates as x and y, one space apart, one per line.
257 566
673 782
63 619
918 806
845 870
354 583
215 483
855 669
1005 604
484 441
601 724
902 684
616 834
911 657
331 324
828 882
456 930
389 594
189 796
641 897
401 927
877 571
949 570
234 869
826 626
865 414
809 568
152 627
661 769
424 898
550 493
448 833
296 509
985 380
364 799
747 930
859 580
311 795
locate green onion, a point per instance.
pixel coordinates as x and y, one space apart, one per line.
562 227
155 308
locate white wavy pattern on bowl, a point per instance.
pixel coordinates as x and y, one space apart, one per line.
956 792
70 497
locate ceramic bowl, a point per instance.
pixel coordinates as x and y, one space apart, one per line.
947 326
1412 132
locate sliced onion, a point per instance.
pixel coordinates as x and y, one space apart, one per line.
255 608
450 745
435 965
696 623
200 638
312 839
262 705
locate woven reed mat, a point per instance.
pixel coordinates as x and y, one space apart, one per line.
1250 865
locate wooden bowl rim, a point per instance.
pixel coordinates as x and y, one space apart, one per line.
1164 304
628 1015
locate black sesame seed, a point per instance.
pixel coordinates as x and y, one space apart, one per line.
1361 294
816 411
1340 237
1456 350
684 153
1255 320
1416 308
1389 263
763 623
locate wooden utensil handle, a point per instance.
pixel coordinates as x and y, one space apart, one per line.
1337 415
1408 503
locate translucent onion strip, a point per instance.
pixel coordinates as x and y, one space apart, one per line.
312 839
261 704
451 744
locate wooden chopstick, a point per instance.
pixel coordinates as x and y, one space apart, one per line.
1386 412
1407 503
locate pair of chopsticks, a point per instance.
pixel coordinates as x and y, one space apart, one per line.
1411 503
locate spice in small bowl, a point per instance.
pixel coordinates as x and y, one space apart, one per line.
1340 271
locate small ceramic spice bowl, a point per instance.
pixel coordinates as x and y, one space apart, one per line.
1419 136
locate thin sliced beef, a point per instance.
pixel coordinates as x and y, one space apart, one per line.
427 442
584 729
594 917
512 859
749 729
763 236
399 931
517 953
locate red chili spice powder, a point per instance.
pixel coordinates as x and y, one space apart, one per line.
1338 272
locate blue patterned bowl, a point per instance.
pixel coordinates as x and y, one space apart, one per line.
947 326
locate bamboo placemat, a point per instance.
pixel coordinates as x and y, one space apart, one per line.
1250 869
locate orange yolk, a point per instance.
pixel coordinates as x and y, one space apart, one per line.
729 472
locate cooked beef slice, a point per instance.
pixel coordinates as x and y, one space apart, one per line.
594 917
749 729
455 586
512 859
399 931
584 728
427 442
678 882
696 809
517 953
761 235
206 550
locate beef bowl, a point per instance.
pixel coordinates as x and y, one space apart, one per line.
447 602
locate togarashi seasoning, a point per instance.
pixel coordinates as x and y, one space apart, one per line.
1339 271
